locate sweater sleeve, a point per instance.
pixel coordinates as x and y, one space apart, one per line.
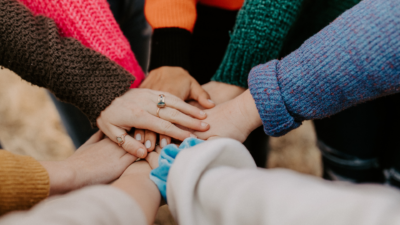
23 182
32 48
95 205
353 60
92 23
258 36
217 183
173 22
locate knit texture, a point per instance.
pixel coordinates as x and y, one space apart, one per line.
23 182
258 36
33 49
92 23
181 13
354 59
170 47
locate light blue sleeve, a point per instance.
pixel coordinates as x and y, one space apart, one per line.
167 157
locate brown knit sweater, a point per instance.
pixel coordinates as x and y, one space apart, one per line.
32 48
23 182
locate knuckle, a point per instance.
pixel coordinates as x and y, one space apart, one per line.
166 126
174 114
129 145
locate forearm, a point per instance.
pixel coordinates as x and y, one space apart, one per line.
258 36
99 204
23 182
32 48
61 177
355 59
138 186
92 23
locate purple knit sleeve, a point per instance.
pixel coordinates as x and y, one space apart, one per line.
354 59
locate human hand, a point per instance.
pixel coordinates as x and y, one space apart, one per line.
178 82
221 92
138 108
235 119
96 162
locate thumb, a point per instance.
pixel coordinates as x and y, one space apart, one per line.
201 96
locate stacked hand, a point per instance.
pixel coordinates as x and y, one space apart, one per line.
137 108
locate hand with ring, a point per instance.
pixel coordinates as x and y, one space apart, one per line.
150 110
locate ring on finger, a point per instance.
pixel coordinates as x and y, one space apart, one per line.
158 111
121 139
161 101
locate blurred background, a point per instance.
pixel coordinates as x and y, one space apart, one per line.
30 125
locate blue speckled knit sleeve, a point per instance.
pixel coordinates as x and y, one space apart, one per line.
354 59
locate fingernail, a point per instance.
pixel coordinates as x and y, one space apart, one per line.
192 135
204 124
210 101
140 152
148 144
202 113
138 137
163 143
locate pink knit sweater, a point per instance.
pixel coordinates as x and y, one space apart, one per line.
93 24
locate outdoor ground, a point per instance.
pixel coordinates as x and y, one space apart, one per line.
30 125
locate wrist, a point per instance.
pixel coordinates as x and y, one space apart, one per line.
61 176
249 112
222 92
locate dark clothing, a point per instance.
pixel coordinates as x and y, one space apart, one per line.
33 49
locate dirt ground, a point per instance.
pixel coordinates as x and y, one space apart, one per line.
30 125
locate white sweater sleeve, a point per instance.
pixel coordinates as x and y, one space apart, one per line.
96 205
217 183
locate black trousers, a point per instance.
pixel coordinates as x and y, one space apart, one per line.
363 141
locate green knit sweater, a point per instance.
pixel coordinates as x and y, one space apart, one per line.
268 29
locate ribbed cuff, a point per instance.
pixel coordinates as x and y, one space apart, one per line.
264 88
260 29
170 47
236 65
24 182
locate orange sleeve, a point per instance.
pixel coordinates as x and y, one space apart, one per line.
23 182
171 13
224 4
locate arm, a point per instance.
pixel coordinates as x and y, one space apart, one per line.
33 49
353 60
92 23
132 199
23 182
260 30
216 182
94 205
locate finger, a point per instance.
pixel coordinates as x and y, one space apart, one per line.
150 140
128 159
177 103
164 141
200 95
96 137
161 126
176 117
139 135
158 149
152 159
130 145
